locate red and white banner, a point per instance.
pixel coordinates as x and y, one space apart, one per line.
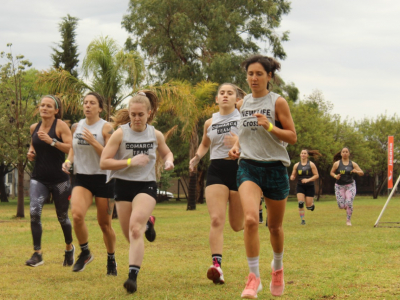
390 162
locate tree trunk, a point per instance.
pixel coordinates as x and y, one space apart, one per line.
319 188
201 174
20 205
192 175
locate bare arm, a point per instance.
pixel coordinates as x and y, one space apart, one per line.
66 166
66 136
203 147
315 173
107 160
357 170
294 172
164 151
333 170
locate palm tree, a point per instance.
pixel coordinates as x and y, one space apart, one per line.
191 105
111 71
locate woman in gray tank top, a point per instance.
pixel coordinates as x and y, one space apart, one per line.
306 173
130 155
343 170
90 136
219 136
266 126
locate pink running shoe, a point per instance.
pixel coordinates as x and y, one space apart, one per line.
215 274
277 284
253 286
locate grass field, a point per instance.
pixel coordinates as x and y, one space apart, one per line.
323 260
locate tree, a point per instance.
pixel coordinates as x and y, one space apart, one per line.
110 69
190 105
5 168
197 40
67 57
18 114
376 134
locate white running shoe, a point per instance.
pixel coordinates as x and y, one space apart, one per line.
215 274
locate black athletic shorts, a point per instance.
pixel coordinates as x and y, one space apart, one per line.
96 184
223 171
307 190
125 190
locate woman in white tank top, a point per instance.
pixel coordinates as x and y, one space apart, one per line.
266 126
130 154
90 136
221 185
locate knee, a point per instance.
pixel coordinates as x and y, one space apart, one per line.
341 205
237 227
78 217
135 231
105 226
251 221
301 204
63 218
275 229
216 221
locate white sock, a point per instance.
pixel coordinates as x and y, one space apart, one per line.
278 261
254 265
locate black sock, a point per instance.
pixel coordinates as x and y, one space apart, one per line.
217 258
111 256
85 248
260 212
133 272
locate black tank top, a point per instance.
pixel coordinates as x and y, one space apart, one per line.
345 176
304 172
49 159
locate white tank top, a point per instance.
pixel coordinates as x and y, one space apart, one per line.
134 143
219 128
256 142
86 159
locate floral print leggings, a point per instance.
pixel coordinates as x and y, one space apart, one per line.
344 196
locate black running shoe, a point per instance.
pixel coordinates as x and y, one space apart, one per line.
83 260
130 286
35 260
69 257
111 267
150 232
303 222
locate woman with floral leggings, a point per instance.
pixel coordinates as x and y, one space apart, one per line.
345 186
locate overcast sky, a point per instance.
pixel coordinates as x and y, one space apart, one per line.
349 50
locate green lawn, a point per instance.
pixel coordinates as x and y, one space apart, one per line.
323 260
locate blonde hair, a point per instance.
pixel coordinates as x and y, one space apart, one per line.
146 97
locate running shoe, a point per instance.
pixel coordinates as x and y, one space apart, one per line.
130 285
83 260
348 223
253 286
69 257
111 267
35 261
277 284
150 232
303 222
215 274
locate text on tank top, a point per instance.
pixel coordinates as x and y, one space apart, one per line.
304 172
135 143
48 160
221 126
86 159
256 142
344 170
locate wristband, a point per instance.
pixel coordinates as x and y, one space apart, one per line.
67 161
270 127
128 162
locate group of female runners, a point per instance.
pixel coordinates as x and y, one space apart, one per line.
247 139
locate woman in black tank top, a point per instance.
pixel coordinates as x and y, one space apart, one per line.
345 186
306 173
51 139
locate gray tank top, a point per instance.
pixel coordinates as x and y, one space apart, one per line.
221 126
134 143
86 159
256 142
